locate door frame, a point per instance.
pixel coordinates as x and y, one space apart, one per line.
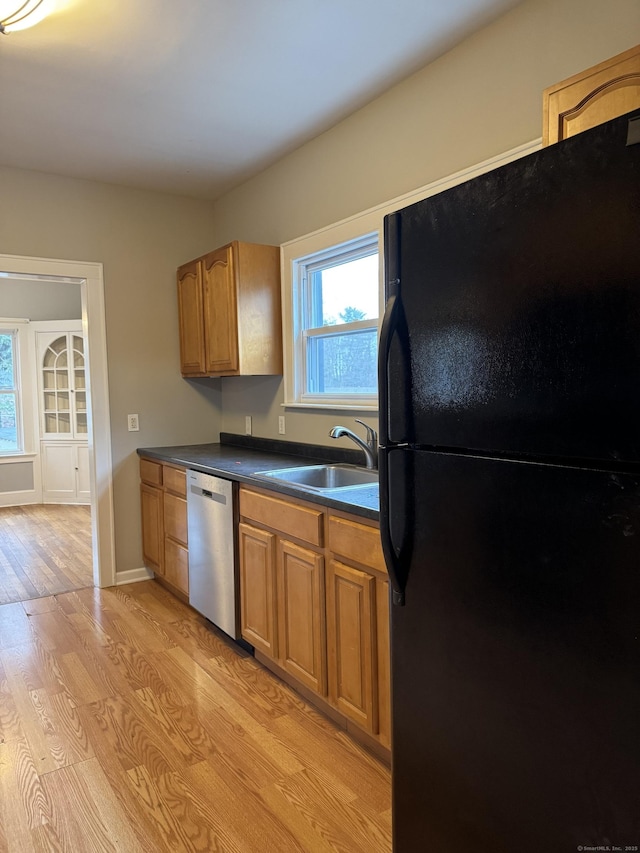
89 276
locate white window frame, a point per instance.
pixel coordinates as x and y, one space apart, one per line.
18 330
337 242
306 319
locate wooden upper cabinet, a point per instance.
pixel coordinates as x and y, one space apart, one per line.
229 312
190 309
608 90
220 312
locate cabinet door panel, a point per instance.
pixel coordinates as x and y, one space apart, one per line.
84 473
384 662
192 359
175 518
258 588
176 565
605 91
220 311
301 614
351 636
152 528
65 472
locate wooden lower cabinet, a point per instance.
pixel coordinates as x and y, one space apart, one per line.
315 603
258 597
351 635
360 584
165 552
176 565
301 615
282 594
383 642
152 528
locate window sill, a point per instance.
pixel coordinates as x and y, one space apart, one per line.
333 406
16 457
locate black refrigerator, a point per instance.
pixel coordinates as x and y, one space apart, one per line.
510 504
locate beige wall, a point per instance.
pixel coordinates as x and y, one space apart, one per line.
481 99
40 300
141 238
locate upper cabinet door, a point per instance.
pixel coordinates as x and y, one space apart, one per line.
608 90
63 394
229 304
190 308
220 311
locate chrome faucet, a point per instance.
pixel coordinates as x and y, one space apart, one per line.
370 446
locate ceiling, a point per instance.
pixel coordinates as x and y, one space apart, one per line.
195 97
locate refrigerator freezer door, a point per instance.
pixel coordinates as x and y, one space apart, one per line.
521 298
515 660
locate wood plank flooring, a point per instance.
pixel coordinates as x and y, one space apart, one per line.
44 549
128 723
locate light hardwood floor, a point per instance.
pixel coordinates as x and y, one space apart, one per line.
128 723
44 549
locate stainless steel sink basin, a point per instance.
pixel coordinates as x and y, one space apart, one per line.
323 478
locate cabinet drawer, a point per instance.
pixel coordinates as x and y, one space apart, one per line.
298 521
175 480
151 472
175 517
358 542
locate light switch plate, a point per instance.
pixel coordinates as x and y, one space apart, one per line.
247 425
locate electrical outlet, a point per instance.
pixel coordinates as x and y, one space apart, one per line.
133 424
281 424
247 425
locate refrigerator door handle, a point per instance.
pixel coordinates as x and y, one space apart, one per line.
387 332
396 518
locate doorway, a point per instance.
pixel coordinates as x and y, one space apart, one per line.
45 550
89 277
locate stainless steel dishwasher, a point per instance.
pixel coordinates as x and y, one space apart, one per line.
213 580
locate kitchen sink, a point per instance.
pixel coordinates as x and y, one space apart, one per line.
323 478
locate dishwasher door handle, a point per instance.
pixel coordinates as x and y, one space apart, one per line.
214 496
205 493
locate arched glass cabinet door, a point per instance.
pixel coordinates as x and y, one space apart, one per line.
64 396
79 386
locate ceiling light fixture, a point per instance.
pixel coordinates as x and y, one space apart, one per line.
25 15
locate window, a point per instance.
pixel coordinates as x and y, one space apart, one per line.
322 338
336 299
10 426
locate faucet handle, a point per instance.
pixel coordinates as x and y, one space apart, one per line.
372 435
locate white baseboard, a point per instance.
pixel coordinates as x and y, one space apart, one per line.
133 576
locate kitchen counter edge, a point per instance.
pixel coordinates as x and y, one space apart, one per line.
240 464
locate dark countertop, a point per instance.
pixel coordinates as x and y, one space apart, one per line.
239 457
